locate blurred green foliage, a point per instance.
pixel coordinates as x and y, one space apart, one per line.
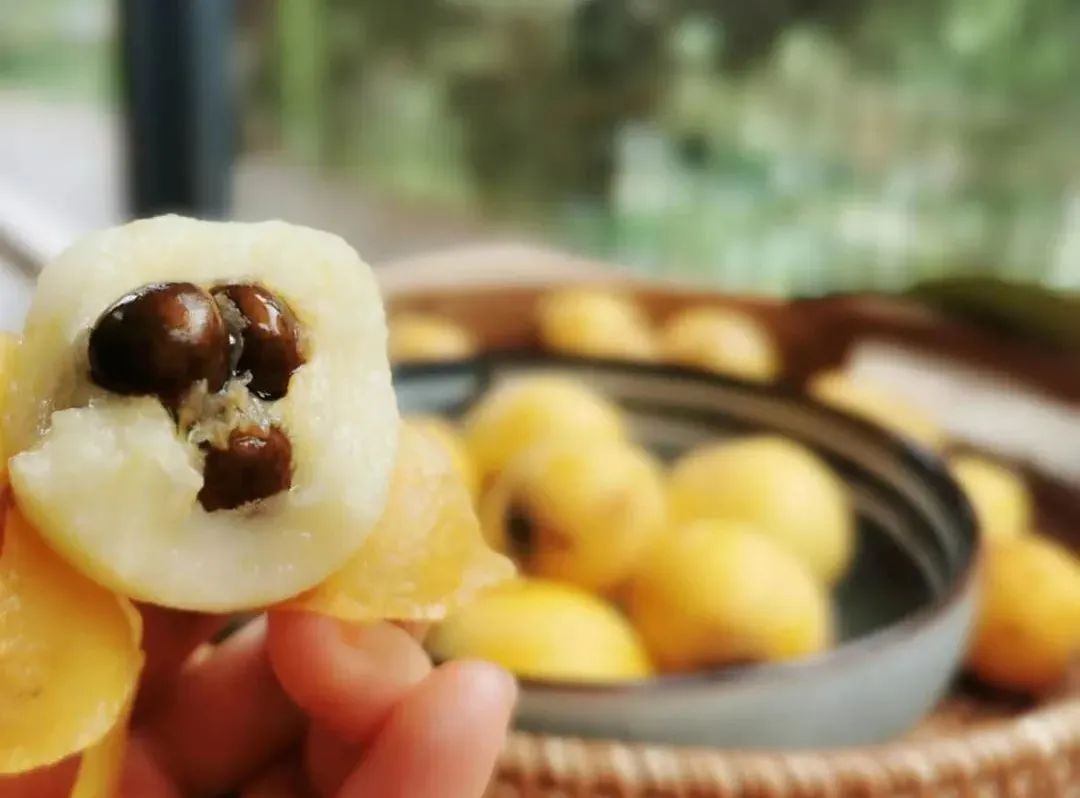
62 47
783 145
788 146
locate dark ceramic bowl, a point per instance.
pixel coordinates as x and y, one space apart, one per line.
904 609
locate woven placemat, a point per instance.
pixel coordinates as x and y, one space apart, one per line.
976 745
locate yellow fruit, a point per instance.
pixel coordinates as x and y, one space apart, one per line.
595 323
452 441
717 592
425 555
115 481
998 495
878 406
69 654
580 513
416 337
1028 632
544 630
8 342
778 486
721 340
517 414
7 346
101 765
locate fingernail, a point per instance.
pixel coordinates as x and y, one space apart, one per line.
487 677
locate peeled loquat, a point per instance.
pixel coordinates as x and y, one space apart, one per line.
545 630
776 485
595 322
581 513
716 593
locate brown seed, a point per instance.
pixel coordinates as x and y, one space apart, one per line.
270 336
256 465
159 341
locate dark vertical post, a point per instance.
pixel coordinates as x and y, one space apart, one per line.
179 105
214 102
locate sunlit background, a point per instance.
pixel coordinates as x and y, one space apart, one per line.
787 146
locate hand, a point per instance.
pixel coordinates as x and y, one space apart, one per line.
299 706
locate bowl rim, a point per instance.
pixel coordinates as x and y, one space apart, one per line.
920 459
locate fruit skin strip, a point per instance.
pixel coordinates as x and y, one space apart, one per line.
102 764
84 637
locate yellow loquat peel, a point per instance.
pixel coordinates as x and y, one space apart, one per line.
69 654
425 556
102 764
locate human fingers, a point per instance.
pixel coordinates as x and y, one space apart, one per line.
328 759
226 717
442 739
169 638
144 776
283 780
417 629
346 676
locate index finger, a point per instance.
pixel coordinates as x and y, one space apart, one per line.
169 638
347 676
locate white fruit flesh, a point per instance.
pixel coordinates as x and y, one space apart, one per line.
111 483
